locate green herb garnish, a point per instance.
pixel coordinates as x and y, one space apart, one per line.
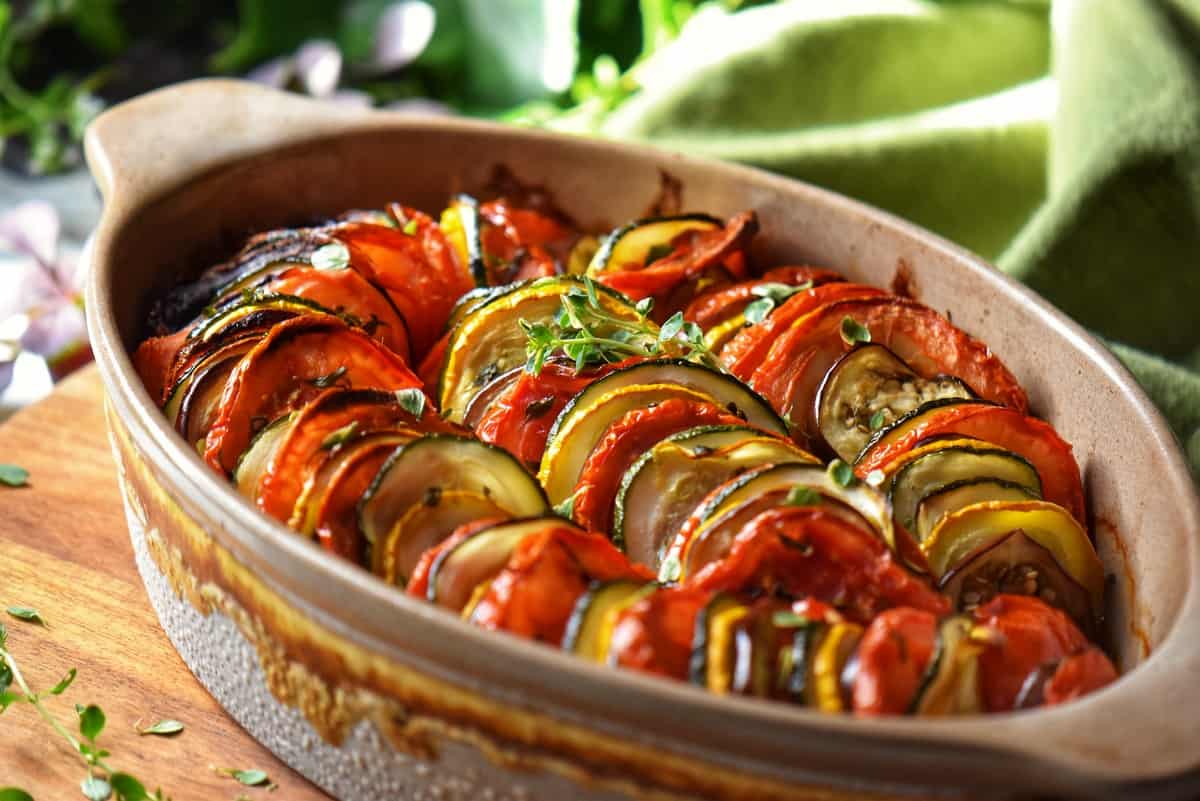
854 332
411 401
12 475
842 473
163 728
339 437
800 495
786 618
410 227
334 256
585 332
26 613
770 296
877 420
250 778
327 381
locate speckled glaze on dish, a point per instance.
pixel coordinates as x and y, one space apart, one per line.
373 694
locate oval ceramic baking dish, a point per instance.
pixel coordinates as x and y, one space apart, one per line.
373 694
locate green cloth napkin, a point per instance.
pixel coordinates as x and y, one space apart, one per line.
1061 141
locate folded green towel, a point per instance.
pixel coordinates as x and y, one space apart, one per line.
1062 142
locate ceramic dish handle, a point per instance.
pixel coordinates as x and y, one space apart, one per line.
160 139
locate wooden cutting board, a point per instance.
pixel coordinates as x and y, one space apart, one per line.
65 551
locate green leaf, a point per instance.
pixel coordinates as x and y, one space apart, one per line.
13 476
91 722
340 436
96 789
786 618
8 698
842 473
163 728
128 788
854 332
250 778
800 495
877 420
328 380
410 227
671 327
411 401
757 311
61 687
334 256
270 28
26 613
644 306
14 794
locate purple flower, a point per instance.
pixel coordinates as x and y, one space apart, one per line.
46 287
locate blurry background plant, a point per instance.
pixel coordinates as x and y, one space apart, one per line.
63 61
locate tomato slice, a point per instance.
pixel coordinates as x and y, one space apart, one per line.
627 439
153 360
1033 439
694 254
430 369
1031 635
293 364
718 305
520 418
792 371
419 271
330 412
521 243
809 551
893 655
749 347
349 293
655 634
1078 675
535 593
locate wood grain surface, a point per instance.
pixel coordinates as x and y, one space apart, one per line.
64 549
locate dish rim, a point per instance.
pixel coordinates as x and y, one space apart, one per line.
288 561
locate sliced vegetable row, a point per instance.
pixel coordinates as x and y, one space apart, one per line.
646 387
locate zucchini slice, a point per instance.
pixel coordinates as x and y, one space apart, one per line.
639 244
583 422
951 683
962 554
960 494
253 462
868 388
490 341
581 255
712 641
458 571
192 403
731 394
724 511
889 434
434 464
251 311
791 674
424 525
463 228
590 627
666 483
835 647
472 300
952 463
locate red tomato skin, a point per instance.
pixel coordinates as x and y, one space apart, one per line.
749 347
655 634
510 422
1078 675
1034 439
718 305
1030 634
418 582
893 656
535 593
808 551
627 439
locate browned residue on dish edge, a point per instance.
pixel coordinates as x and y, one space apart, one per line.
1135 628
903 282
336 683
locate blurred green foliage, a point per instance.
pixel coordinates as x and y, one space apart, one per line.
61 61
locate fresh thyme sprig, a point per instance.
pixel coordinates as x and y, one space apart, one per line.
101 781
588 334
